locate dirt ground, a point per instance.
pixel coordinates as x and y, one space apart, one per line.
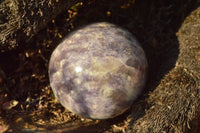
27 103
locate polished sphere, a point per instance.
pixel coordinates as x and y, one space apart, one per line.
98 71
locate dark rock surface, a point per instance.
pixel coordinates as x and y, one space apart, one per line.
174 106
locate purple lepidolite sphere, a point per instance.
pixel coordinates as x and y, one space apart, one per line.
98 71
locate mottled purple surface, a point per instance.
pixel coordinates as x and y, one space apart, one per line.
98 71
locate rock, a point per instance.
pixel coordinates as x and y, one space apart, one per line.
98 71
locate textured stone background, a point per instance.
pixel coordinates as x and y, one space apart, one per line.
169 34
